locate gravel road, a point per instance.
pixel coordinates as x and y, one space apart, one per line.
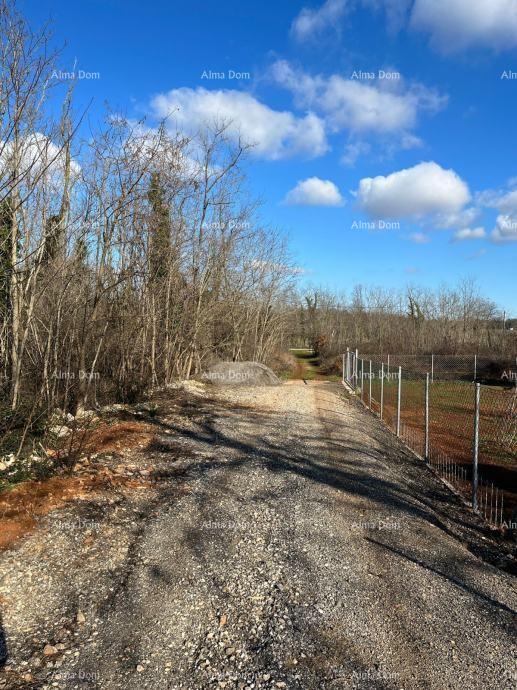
290 542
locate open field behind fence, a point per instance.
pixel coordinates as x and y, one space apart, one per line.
451 423
451 367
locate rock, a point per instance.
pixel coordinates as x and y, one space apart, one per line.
116 407
7 461
60 418
223 620
49 650
85 415
140 668
57 413
81 618
145 407
241 374
60 431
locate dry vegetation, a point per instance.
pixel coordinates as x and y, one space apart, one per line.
131 257
449 320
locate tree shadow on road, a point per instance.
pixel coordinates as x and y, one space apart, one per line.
351 472
3 645
446 576
413 491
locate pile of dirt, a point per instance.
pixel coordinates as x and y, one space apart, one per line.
241 374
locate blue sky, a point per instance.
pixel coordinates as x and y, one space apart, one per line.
341 150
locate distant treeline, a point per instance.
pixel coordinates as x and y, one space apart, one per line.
450 320
131 256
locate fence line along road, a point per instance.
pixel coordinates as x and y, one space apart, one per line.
469 367
465 430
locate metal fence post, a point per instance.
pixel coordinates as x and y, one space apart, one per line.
475 450
475 367
362 378
426 454
370 388
399 396
382 389
432 367
388 365
347 376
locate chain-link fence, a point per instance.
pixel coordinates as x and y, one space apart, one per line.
451 367
466 431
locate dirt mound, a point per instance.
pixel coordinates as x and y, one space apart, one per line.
240 374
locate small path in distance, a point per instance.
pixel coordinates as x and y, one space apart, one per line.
308 366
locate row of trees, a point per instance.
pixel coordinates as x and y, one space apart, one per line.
132 256
450 320
129 256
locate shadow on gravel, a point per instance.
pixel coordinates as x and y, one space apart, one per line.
414 493
353 473
456 581
3 645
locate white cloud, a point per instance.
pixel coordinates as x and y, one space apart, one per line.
419 238
469 234
455 25
504 201
418 192
274 134
314 192
477 255
396 11
505 229
41 160
360 106
461 219
353 151
410 141
506 223
311 22
363 107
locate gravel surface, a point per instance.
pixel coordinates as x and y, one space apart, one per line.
279 538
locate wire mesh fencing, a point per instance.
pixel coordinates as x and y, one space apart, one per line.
498 453
412 410
451 367
451 431
466 431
